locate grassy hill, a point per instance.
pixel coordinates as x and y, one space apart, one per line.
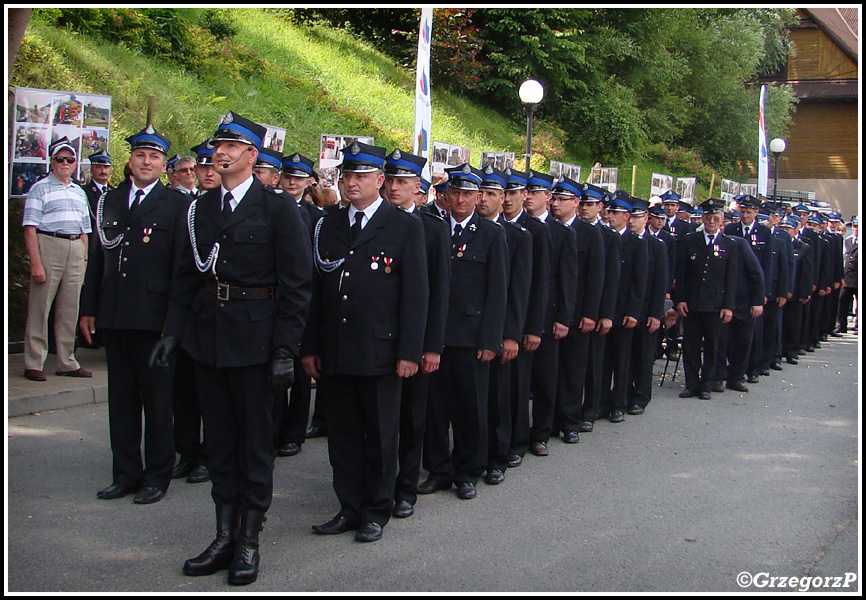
310 80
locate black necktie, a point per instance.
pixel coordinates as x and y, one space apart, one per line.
456 235
227 206
138 196
710 239
746 231
356 228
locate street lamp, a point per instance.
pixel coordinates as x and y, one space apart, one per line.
531 93
777 146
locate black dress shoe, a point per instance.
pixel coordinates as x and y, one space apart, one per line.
802 352
431 486
337 525
791 360
635 409
765 372
753 379
198 475
315 431
717 387
817 345
686 394
514 461
402 510
494 477
570 437
466 490
616 416
737 386
836 334
584 427
369 532
182 469
776 366
148 495
289 449
823 338
115 491
539 448
705 396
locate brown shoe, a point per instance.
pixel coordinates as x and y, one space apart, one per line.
35 375
79 372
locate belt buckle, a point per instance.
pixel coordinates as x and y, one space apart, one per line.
222 291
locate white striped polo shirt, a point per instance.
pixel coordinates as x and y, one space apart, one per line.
57 208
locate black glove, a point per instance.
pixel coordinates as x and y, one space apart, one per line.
282 369
162 352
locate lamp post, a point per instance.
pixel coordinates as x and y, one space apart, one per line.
531 93
777 146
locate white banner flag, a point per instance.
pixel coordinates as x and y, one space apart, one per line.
763 155
423 110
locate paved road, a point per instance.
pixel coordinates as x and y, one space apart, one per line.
683 498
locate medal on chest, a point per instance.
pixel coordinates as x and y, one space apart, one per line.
146 238
388 262
375 264
461 250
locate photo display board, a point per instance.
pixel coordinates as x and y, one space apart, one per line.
330 156
43 117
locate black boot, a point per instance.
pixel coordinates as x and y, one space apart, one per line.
245 566
219 554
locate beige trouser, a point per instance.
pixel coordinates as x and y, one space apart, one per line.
63 261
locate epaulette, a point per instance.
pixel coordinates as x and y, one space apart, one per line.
518 225
272 189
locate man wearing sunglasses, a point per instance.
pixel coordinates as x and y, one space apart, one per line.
56 223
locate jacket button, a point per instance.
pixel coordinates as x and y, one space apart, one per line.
346 274
344 319
351 252
125 259
345 297
128 228
126 243
123 274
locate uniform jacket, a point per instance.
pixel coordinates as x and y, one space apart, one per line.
760 241
750 281
371 311
811 237
612 265
657 282
632 277
706 275
127 287
519 242
804 266
779 284
788 257
590 271
437 241
540 288
826 268
563 274
479 287
262 244
671 247
851 267
679 228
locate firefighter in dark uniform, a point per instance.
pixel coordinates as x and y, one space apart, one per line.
521 370
629 301
473 338
559 311
125 296
801 294
519 242
365 337
403 184
704 296
591 204
574 348
651 316
239 306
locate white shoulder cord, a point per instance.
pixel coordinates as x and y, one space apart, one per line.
106 243
324 265
210 263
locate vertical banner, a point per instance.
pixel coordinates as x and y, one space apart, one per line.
423 116
763 155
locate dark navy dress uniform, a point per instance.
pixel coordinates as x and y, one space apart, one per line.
476 319
127 289
793 334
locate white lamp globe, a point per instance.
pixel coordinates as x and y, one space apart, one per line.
531 92
777 146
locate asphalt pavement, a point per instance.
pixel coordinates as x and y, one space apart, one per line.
727 495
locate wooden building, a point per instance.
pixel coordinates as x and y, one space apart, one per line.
823 151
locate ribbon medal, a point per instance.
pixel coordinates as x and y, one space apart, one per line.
146 237
460 251
715 249
375 264
388 262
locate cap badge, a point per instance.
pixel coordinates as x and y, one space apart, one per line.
355 149
228 118
396 155
296 158
466 170
488 170
150 130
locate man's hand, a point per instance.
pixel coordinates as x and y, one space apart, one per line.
671 317
430 362
406 368
510 348
604 326
756 311
629 322
559 331
782 301
312 365
87 326
586 325
683 309
162 352
531 342
486 355
37 273
653 324
727 314
282 369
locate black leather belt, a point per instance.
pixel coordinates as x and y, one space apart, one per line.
225 292
65 236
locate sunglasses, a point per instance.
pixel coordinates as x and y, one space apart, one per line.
188 170
65 159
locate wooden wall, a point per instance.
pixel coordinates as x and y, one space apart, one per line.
822 143
816 56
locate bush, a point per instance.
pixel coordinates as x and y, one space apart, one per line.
219 23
